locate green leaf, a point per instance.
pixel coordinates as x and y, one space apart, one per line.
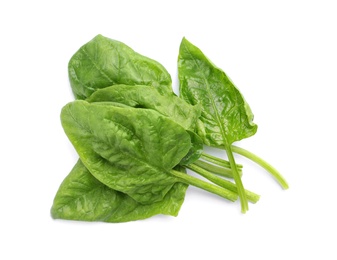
82 197
168 105
103 62
148 97
226 116
130 150
195 151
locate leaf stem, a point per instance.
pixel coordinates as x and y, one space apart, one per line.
275 173
185 178
222 171
251 196
237 179
218 161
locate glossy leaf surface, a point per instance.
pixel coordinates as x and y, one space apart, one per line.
130 150
103 62
225 115
148 97
82 197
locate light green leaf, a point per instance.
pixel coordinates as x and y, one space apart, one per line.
226 116
148 97
82 197
130 150
103 62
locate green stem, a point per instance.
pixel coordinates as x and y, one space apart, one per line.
251 196
237 179
279 178
218 161
222 171
185 178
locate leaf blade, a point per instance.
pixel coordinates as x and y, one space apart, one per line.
225 112
103 62
148 97
82 197
130 150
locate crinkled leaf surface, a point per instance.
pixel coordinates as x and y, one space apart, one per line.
148 97
130 150
82 197
225 115
103 62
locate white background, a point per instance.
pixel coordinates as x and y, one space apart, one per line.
282 55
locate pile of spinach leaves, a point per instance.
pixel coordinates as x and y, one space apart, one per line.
136 138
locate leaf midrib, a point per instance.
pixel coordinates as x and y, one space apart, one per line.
218 117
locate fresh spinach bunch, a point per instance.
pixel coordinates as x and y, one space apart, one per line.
136 138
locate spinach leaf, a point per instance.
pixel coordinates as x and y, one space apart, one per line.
82 197
130 150
140 96
147 97
103 62
225 114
